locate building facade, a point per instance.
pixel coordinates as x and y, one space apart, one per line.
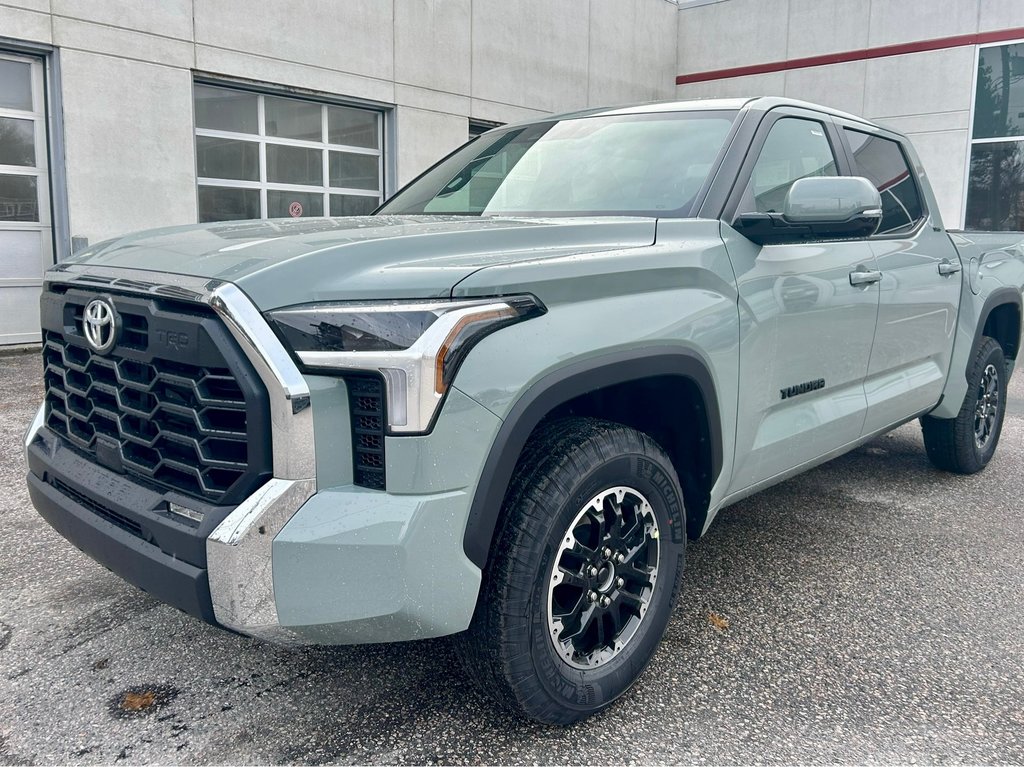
120 115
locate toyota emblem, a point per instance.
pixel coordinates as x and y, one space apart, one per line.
99 325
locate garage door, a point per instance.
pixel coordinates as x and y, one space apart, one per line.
26 239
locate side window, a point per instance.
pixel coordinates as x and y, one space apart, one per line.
795 148
882 162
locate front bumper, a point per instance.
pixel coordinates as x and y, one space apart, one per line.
66 497
350 566
288 564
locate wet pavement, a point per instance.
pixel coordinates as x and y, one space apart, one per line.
870 610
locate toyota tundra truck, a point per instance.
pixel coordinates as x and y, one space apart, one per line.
500 406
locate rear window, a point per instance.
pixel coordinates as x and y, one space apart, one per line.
882 162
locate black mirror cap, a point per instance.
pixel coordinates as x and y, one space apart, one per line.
775 229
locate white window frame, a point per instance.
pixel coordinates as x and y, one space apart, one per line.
40 170
971 141
263 140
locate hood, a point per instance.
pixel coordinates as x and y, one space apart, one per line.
284 262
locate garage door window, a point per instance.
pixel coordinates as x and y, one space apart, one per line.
995 182
266 156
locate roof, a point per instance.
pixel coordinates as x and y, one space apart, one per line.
763 103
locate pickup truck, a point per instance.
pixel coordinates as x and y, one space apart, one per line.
500 406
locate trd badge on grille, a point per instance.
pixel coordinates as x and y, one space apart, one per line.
100 325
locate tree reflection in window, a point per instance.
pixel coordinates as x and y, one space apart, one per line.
995 186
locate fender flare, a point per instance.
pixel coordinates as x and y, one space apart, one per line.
997 298
561 386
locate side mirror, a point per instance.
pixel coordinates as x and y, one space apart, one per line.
818 208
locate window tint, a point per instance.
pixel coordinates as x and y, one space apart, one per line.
15 85
225 204
882 162
19 198
226 110
17 142
353 127
795 149
227 158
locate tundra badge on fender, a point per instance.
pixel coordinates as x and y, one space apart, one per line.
792 391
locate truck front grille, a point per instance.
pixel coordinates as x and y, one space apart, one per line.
182 420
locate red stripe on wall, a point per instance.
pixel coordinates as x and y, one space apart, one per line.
900 49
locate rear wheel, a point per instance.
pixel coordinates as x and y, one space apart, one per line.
584 573
966 444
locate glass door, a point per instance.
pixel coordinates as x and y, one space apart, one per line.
26 239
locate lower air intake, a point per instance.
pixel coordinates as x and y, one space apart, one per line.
366 405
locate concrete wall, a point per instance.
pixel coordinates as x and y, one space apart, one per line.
925 95
127 70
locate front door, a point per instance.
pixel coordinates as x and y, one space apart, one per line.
806 331
26 240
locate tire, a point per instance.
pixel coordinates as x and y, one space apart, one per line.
966 444
539 643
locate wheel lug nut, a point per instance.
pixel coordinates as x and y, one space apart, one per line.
620 582
591 596
605 601
592 571
606 552
620 558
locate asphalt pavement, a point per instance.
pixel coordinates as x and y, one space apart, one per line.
869 611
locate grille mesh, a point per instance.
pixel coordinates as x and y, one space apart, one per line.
366 402
177 425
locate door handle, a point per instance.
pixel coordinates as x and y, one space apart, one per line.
859 278
947 267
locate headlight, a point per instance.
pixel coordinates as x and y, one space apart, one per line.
415 346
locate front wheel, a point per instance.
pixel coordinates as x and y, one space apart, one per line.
966 444
584 574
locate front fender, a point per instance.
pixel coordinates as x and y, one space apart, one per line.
560 386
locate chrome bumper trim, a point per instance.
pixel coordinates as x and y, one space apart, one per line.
33 429
239 562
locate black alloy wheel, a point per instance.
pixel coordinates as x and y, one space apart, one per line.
603 577
987 408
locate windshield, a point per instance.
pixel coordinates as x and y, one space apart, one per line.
647 164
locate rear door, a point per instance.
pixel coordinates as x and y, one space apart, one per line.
920 286
806 331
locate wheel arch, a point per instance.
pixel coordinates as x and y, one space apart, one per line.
582 382
1001 318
